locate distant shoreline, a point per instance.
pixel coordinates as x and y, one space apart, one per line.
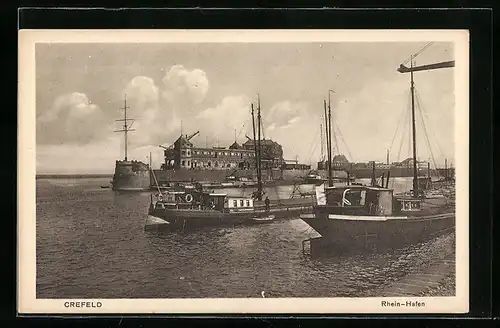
72 176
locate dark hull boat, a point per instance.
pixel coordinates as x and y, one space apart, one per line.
130 175
362 217
357 217
194 210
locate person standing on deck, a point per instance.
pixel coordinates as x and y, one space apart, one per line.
267 201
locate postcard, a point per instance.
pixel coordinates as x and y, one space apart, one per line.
243 171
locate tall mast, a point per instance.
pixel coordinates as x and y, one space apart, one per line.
330 181
256 150
412 87
259 177
328 148
126 127
322 142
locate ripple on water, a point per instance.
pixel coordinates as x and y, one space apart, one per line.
91 243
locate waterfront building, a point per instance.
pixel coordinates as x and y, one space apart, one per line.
183 154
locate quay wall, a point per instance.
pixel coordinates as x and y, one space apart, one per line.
222 174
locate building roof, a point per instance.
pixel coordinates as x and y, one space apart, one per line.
339 158
182 140
265 142
235 145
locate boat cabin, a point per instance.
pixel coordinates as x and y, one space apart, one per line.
239 203
194 200
367 200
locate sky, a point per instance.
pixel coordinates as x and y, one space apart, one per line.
209 87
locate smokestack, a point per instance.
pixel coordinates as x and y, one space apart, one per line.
387 156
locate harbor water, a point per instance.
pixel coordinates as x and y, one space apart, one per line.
91 243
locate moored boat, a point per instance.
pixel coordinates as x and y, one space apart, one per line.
358 217
130 175
195 209
355 217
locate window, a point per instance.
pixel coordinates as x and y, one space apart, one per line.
248 203
235 203
183 163
188 163
183 152
241 203
188 153
225 153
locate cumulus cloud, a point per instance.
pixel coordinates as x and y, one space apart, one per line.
184 89
286 123
181 82
219 122
143 92
149 117
285 114
160 108
73 119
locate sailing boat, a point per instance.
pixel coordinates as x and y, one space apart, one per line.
130 175
356 216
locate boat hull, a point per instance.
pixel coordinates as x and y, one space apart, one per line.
193 219
346 233
131 176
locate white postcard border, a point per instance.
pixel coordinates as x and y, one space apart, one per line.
27 302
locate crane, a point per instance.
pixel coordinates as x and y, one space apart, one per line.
188 137
192 135
403 69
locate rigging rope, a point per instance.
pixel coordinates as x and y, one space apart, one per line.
345 144
426 134
242 127
434 135
336 143
313 146
418 53
398 157
403 112
410 137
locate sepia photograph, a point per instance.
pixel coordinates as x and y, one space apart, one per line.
298 171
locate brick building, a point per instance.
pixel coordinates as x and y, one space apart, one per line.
184 155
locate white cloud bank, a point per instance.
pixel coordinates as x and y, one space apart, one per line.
78 135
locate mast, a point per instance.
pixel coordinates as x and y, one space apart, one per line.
322 142
259 177
126 127
256 150
412 87
330 181
328 148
